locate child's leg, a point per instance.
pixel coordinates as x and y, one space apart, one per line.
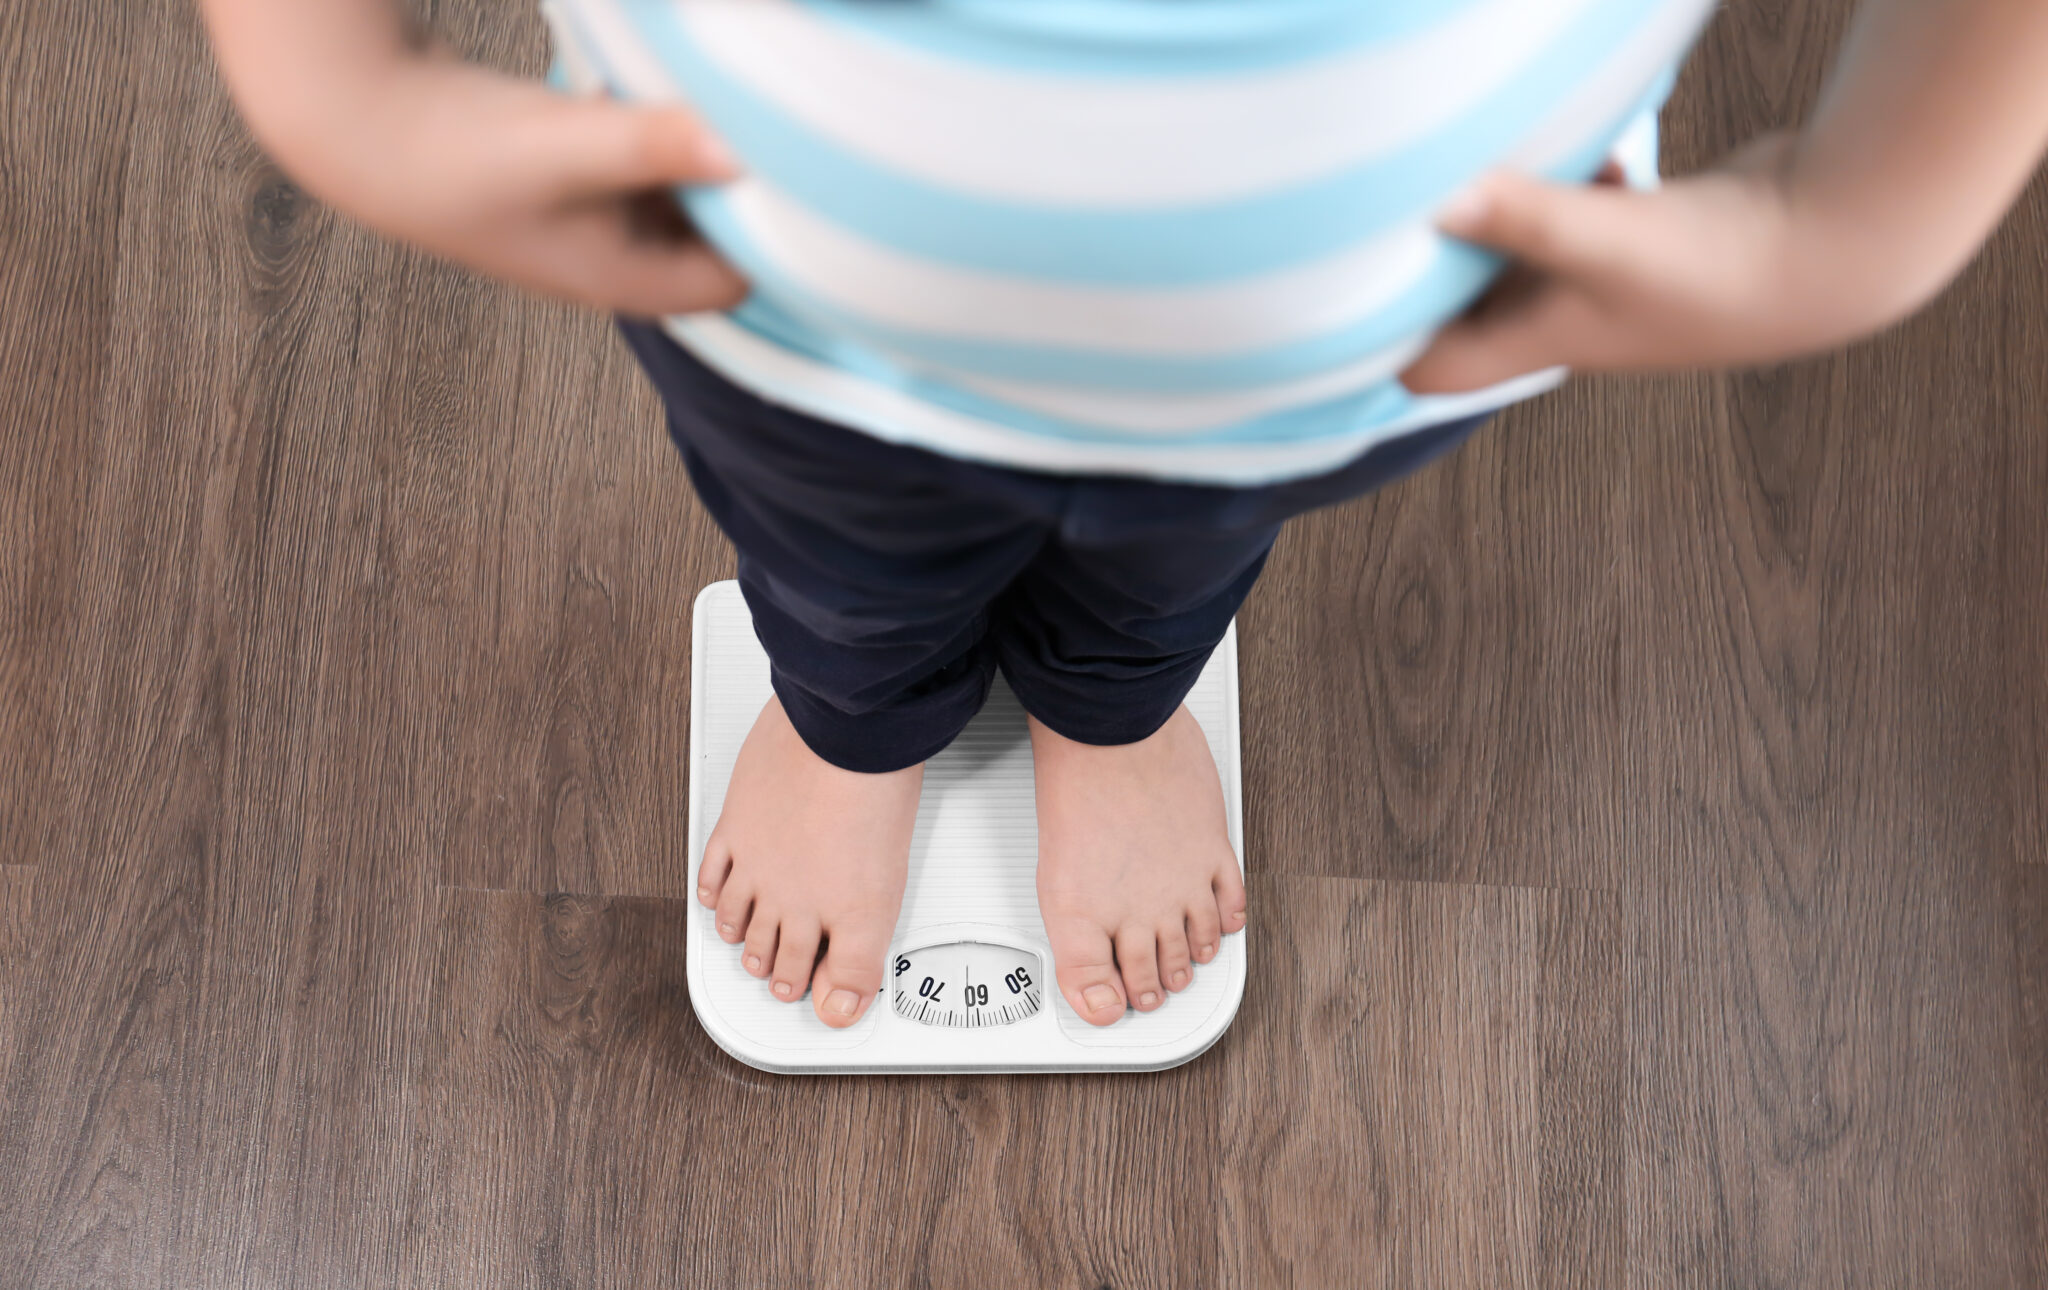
869 570
1102 637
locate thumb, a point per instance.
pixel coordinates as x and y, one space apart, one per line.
598 146
1565 229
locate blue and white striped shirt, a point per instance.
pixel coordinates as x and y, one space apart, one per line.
1186 239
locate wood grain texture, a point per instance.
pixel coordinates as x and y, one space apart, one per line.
2013 272
58 183
1390 1080
17 939
1486 717
1648 804
1818 946
559 1022
1425 1083
1581 1091
2029 1067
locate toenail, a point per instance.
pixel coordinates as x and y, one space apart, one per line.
842 1002
753 963
727 928
1147 999
782 988
1099 998
1204 954
1180 978
703 893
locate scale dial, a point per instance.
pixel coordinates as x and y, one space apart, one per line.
966 984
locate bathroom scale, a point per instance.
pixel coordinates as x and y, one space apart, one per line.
968 985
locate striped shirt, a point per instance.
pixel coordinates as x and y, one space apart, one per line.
1184 239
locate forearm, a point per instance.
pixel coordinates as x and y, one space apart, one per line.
1933 120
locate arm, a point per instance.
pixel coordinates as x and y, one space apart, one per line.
1932 122
296 68
500 174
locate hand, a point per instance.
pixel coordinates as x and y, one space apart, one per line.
1701 272
566 196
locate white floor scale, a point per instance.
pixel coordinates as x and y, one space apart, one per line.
969 984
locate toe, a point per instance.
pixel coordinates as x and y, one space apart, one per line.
762 931
712 873
1176 970
735 902
1137 953
849 975
1230 897
1086 967
1204 930
795 956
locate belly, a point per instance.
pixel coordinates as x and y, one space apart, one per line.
1109 204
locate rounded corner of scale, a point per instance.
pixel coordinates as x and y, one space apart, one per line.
712 1024
1208 1037
1222 1019
728 1040
709 594
739 1053
1208 1042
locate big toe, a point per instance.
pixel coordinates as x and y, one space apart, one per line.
1085 964
848 976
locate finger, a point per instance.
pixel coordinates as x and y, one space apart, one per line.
593 146
1552 325
1571 229
601 260
1471 355
661 282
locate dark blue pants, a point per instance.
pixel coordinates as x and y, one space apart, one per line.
888 583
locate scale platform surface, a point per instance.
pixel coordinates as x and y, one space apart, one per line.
969 985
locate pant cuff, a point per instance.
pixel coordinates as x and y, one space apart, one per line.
1107 713
875 743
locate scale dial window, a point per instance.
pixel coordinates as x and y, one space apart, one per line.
966 985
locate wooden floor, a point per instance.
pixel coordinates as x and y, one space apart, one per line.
1647 807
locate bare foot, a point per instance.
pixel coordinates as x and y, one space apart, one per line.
1136 876
806 853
